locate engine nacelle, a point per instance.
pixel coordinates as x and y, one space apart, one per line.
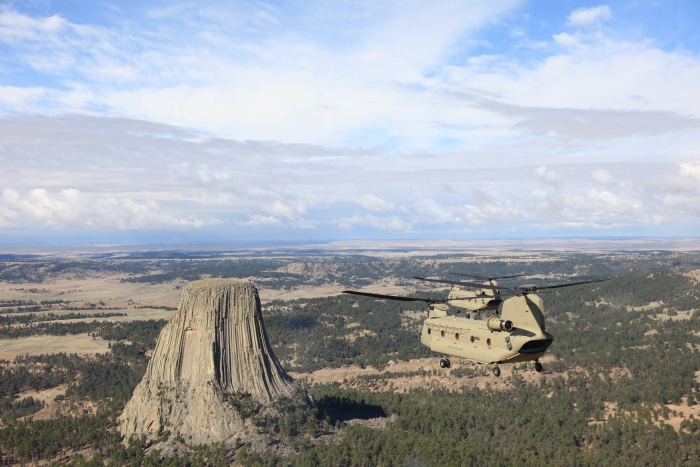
496 324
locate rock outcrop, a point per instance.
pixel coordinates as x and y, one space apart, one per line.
214 347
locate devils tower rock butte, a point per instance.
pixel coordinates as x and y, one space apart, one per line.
214 346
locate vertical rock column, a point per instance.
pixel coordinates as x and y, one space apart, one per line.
213 346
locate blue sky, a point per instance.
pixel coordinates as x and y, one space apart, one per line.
226 121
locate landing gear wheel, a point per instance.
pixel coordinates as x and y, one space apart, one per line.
497 372
538 367
444 363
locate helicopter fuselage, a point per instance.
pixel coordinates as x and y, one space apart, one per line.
517 335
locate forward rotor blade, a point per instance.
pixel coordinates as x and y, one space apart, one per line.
394 297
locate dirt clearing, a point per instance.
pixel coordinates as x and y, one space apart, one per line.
138 314
38 345
391 378
47 395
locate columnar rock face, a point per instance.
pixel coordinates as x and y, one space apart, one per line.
214 346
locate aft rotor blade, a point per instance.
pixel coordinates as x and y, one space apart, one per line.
519 290
516 292
489 278
468 284
469 275
394 297
569 284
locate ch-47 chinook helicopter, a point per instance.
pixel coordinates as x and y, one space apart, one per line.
516 334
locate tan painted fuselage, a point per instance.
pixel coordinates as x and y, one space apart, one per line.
487 340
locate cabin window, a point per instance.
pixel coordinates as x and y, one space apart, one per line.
442 333
457 336
488 342
428 330
471 339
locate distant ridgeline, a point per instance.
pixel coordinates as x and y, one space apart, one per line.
350 270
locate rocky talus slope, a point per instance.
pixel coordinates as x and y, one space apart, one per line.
214 347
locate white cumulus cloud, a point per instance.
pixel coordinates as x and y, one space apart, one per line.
586 16
603 176
8 217
73 209
257 219
15 26
430 212
689 170
566 39
278 208
374 203
381 223
547 175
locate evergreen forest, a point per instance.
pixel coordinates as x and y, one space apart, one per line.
625 358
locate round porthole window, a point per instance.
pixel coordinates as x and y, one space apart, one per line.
442 333
471 339
457 336
428 330
488 342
